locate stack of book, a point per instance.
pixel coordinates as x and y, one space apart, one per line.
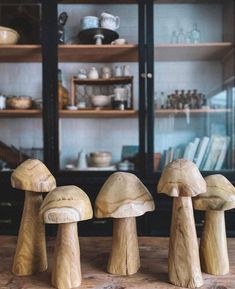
208 153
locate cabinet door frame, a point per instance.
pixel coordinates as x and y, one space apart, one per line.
50 84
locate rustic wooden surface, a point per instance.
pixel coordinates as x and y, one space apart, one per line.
94 256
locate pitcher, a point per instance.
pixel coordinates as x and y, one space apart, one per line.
109 21
82 160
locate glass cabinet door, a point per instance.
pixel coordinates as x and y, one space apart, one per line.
194 84
98 89
20 84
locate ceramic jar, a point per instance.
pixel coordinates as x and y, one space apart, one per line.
93 73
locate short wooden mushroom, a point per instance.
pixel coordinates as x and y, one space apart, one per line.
220 196
182 180
123 197
66 206
30 256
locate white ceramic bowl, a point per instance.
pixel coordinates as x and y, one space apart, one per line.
100 100
8 36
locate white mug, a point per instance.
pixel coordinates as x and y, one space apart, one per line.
109 21
2 102
117 71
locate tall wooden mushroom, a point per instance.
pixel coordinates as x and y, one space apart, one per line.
182 180
66 206
30 256
220 196
123 197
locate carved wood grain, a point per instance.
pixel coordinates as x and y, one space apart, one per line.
30 256
213 244
124 258
183 263
66 271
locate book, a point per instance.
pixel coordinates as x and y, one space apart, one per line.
223 152
213 152
193 148
201 151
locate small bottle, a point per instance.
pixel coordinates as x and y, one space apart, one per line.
174 37
195 34
181 37
162 97
63 94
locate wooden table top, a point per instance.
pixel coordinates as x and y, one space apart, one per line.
94 256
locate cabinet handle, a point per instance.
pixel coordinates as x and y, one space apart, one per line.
99 222
149 75
143 75
6 204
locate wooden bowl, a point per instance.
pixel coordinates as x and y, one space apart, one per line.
19 102
100 159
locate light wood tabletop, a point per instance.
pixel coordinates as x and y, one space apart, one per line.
94 257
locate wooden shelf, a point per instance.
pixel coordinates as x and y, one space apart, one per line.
20 113
103 81
20 53
117 53
96 53
163 112
96 113
192 52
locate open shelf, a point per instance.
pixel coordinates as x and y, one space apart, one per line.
20 113
117 53
98 53
20 53
98 113
102 81
192 52
163 112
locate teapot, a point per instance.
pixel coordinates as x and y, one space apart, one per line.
109 21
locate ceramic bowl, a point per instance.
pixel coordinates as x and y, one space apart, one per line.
19 102
8 36
100 100
100 159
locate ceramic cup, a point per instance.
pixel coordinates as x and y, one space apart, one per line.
88 22
109 21
119 41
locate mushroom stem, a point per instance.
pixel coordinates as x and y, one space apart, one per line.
66 271
213 244
30 256
183 262
124 258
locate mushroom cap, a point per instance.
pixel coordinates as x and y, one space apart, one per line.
123 195
33 175
66 204
220 195
181 178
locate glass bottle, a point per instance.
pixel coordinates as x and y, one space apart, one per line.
181 37
63 94
195 34
174 37
162 97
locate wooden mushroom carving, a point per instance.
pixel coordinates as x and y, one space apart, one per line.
182 180
30 256
123 197
66 206
220 196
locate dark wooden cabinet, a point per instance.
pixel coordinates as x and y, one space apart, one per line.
157 65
